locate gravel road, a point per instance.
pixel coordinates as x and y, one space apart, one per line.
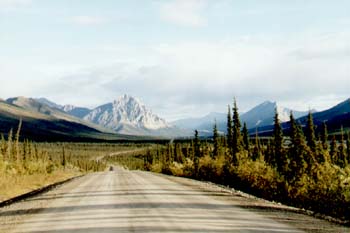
136 201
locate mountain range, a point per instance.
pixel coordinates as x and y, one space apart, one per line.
259 116
125 115
42 123
335 117
128 118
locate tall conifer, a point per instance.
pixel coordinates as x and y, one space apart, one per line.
279 158
298 150
324 136
348 148
216 141
341 158
310 133
257 149
10 146
246 138
237 136
229 129
196 152
17 153
333 150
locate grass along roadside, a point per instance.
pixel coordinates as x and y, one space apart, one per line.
12 186
26 166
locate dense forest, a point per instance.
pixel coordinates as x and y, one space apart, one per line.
295 166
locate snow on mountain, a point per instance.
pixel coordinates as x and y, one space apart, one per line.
260 115
128 115
263 114
68 108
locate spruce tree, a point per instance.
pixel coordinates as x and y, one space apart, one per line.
293 130
229 130
9 146
237 136
257 149
245 137
24 153
279 158
269 154
215 153
63 161
324 136
298 150
17 153
3 147
310 133
348 148
333 150
196 152
341 158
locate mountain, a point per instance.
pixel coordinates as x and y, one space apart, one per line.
43 123
48 103
72 110
340 109
128 115
335 118
200 122
263 114
259 116
35 106
79 112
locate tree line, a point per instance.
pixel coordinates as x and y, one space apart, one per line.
294 166
27 157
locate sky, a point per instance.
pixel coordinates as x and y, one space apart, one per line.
182 58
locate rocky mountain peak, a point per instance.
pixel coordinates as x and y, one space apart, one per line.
126 111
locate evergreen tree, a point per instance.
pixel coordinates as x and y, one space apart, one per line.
215 153
9 146
237 136
298 150
17 151
257 148
24 153
279 159
63 161
310 133
348 148
178 155
341 158
324 136
333 150
3 147
197 152
229 129
293 130
245 137
269 154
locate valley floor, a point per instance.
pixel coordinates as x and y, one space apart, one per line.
137 201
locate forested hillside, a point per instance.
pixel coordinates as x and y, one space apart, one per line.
296 168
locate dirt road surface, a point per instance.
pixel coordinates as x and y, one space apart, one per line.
135 201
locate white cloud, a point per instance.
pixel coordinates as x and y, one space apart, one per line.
87 20
194 78
184 12
14 4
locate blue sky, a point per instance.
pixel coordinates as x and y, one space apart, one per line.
181 57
